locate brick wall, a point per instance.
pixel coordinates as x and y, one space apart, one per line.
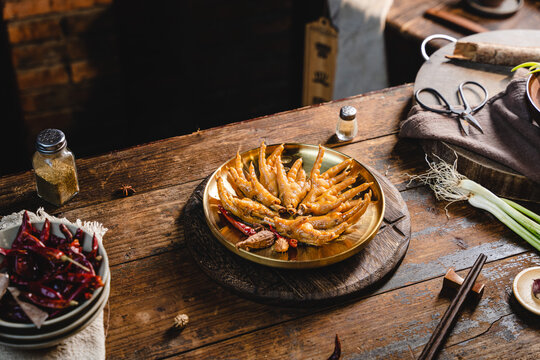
65 65
117 73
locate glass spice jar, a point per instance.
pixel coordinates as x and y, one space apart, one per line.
54 167
347 126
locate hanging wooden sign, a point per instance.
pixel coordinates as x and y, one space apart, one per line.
320 53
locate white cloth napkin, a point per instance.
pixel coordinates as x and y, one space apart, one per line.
361 60
89 344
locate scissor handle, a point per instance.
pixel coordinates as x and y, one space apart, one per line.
468 108
438 96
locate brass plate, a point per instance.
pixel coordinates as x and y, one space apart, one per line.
304 256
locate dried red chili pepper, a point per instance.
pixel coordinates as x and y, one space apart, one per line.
38 288
28 239
67 290
40 265
245 229
81 278
45 232
24 264
248 230
55 241
69 236
77 293
50 253
73 248
49 303
81 259
95 246
76 247
17 280
79 234
11 310
33 244
26 227
292 242
337 350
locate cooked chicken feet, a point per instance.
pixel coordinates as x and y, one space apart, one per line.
328 199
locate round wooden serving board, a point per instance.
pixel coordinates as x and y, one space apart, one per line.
300 287
445 75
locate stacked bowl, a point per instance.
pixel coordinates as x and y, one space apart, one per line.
57 329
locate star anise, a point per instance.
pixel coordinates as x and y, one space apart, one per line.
127 190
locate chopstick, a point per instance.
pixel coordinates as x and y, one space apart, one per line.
440 332
456 20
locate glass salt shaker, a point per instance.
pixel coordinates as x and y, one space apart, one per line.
347 126
54 167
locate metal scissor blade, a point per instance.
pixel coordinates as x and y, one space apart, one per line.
471 120
464 125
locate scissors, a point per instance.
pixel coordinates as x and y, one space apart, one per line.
464 115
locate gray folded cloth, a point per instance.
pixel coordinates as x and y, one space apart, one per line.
510 136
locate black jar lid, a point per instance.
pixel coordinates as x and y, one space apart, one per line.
50 141
347 113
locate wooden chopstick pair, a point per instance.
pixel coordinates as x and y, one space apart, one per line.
440 332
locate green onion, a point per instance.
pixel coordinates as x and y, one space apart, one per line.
526 211
533 67
477 189
483 203
448 184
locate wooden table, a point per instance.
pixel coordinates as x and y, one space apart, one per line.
154 278
407 27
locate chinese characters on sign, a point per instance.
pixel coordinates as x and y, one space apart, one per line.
319 62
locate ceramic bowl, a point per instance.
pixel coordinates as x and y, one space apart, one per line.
533 95
46 341
67 326
6 239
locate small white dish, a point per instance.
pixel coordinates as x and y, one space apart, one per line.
523 289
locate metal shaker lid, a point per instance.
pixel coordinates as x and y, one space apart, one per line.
347 113
50 141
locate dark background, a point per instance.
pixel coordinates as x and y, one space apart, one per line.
134 71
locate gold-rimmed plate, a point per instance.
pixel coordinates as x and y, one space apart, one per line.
304 256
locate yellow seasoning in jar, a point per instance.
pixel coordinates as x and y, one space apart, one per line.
347 126
54 167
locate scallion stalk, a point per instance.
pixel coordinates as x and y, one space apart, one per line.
533 67
522 209
448 184
481 202
476 188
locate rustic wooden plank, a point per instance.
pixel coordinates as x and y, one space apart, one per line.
183 159
408 17
512 336
154 278
439 242
225 326
147 223
140 323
